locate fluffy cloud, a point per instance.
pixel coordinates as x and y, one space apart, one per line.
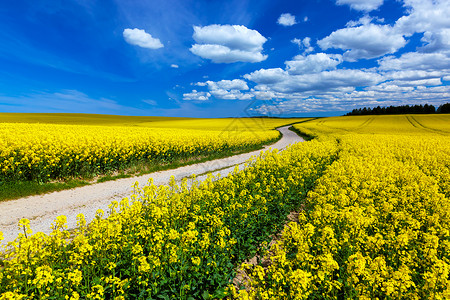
228 43
267 76
436 41
235 84
365 5
390 88
416 61
141 38
304 44
364 20
263 95
424 15
174 66
366 41
231 94
420 82
279 80
313 63
411 75
287 20
196 96
428 17
227 89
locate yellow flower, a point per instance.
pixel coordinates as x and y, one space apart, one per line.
196 260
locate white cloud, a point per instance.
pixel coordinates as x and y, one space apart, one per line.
230 94
424 15
305 19
267 76
313 63
304 44
196 96
281 81
446 78
428 17
420 82
389 88
223 54
298 42
364 20
364 5
141 38
150 102
264 95
227 89
235 84
228 43
286 20
411 75
416 61
436 41
174 66
366 41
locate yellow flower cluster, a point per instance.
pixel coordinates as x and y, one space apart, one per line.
165 242
376 225
49 151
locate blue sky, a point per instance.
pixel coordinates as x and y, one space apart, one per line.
222 58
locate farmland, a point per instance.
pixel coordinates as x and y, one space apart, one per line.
82 146
376 224
371 200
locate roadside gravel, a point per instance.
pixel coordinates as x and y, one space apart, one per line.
41 210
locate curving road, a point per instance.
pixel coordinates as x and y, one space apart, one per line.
41 210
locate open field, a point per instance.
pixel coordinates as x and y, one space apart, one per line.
38 148
43 209
417 125
369 200
376 224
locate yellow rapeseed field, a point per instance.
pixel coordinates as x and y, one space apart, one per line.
372 195
376 224
73 144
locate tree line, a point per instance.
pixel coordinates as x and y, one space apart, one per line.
402 109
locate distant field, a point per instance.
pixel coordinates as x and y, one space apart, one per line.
391 124
79 119
45 147
227 124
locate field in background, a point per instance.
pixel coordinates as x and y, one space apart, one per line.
39 148
390 124
223 124
368 201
